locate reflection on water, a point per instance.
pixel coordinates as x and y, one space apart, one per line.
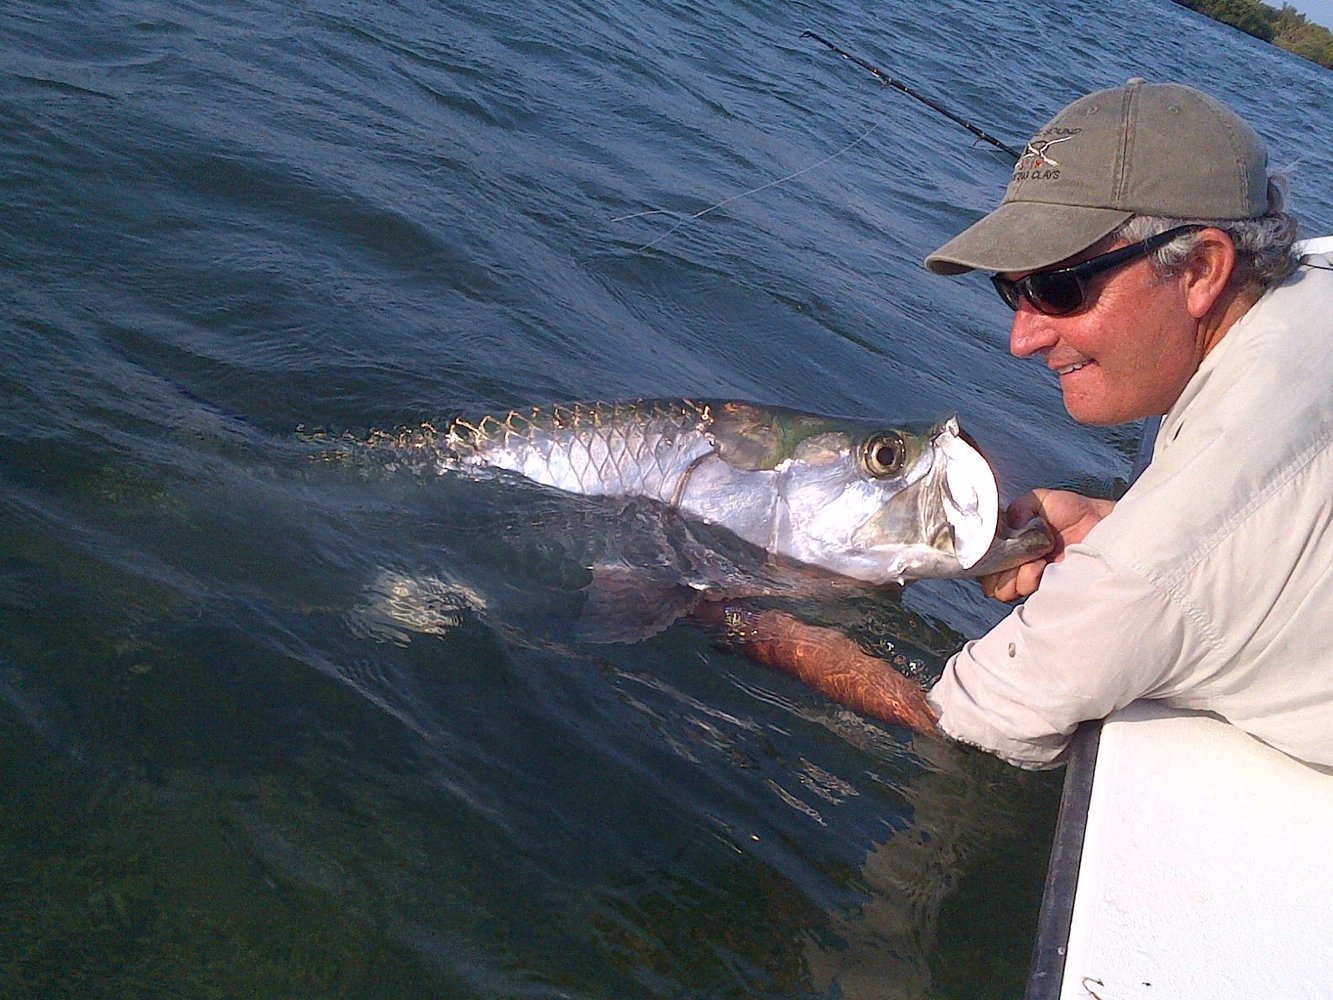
886 945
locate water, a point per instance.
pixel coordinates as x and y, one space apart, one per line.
224 222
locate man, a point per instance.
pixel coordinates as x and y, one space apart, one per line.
1143 248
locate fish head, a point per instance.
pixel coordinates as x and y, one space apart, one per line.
887 505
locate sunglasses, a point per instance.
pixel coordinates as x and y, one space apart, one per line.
1064 290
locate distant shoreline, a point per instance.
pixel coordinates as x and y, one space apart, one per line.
1286 28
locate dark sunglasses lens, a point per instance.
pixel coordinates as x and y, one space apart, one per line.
1054 292
1008 290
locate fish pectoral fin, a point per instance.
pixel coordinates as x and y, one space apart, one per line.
625 604
747 437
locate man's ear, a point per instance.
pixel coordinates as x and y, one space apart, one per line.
1208 270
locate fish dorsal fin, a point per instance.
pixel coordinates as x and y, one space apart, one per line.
747 437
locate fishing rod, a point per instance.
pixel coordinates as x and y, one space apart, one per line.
889 81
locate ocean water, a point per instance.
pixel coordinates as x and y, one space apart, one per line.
250 745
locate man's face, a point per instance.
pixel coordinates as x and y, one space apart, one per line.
1126 354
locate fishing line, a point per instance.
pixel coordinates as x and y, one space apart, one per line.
886 81
727 201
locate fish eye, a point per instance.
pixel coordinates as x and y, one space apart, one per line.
884 455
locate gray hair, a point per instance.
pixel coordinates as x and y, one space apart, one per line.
1265 247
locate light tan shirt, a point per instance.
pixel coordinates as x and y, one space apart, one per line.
1210 586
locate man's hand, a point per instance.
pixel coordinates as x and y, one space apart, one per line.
1070 516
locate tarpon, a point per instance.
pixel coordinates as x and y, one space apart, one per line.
879 504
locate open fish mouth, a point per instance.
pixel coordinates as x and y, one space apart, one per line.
970 497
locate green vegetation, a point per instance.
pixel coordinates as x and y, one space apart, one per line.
1287 28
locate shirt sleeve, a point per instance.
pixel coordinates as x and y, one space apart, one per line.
1093 638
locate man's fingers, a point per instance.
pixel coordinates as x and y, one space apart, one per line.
1014 584
993 583
1029 578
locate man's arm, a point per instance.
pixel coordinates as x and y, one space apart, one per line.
836 666
825 659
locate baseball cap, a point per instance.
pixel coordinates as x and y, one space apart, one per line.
1160 149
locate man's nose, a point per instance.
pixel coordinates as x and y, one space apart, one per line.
1031 332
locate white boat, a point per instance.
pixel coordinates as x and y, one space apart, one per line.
1190 862
1205 868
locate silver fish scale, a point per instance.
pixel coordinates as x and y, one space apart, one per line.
643 447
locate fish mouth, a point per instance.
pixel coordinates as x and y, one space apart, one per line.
969 496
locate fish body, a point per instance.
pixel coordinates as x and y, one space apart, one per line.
879 504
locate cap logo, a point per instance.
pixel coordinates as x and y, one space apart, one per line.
1037 163
1036 155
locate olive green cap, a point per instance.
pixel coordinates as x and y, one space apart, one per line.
1142 149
